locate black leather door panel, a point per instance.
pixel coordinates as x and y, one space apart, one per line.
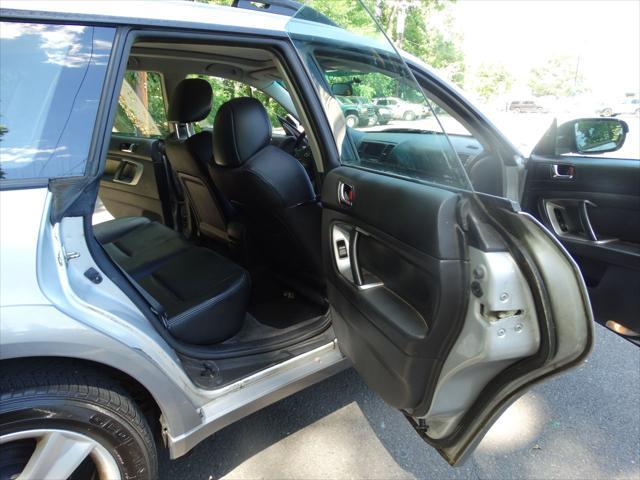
394 316
605 238
128 185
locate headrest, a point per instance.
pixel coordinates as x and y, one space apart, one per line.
240 130
342 89
191 101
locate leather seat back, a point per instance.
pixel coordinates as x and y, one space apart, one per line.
267 186
190 158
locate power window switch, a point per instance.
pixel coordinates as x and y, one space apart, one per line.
342 249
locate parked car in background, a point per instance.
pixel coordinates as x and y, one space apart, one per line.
630 106
401 109
357 114
526 106
383 114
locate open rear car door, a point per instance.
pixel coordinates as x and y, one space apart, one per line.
450 304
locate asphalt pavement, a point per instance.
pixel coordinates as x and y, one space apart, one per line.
584 424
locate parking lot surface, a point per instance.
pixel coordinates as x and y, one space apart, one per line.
583 424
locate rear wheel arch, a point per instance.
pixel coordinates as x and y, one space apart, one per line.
141 396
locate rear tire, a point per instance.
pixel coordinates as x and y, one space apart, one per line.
607 112
66 411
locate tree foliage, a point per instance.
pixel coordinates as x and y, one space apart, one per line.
559 76
492 80
435 45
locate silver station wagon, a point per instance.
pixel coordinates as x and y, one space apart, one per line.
190 232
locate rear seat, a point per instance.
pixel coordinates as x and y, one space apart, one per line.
204 294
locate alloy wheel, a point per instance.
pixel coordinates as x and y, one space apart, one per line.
55 454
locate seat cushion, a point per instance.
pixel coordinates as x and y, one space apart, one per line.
204 295
137 244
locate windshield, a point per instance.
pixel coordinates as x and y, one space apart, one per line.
357 74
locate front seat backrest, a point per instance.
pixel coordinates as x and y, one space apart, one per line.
268 187
190 158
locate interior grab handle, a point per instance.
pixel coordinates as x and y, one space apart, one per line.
128 147
345 243
584 220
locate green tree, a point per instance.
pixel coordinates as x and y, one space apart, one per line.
433 44
492 80
558 76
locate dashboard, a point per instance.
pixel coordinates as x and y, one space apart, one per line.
421 154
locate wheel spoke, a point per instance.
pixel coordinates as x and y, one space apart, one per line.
56 457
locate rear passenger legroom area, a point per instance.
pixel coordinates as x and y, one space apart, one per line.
214 222
207 298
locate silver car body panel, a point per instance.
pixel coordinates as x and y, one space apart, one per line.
499 329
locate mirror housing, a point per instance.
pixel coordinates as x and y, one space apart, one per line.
583 136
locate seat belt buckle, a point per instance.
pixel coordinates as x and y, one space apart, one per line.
162 316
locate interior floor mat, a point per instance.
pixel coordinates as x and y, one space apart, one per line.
284 311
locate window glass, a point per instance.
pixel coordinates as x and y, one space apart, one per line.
387 124
50 87
141 107
225 89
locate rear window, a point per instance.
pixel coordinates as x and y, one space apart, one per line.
142 108
50 87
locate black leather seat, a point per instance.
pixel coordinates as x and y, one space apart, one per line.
138 244
204 294
268 187
190 158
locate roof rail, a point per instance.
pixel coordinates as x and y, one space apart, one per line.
283 7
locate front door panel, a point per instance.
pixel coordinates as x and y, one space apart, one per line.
396 281
593 207
449 304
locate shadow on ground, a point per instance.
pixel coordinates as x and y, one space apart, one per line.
584 424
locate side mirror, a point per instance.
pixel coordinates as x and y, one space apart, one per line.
583 136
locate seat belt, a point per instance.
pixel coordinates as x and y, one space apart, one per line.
165 190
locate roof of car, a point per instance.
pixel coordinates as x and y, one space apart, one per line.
146 12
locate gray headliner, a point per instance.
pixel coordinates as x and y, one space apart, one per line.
250 65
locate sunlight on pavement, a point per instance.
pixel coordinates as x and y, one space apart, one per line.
519 426
339 445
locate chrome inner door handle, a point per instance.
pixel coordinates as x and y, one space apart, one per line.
346 194
562 171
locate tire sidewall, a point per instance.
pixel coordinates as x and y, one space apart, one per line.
105 426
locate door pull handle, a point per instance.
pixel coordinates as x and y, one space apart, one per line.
562 171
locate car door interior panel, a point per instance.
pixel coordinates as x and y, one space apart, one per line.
128 186
403 285
593 206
